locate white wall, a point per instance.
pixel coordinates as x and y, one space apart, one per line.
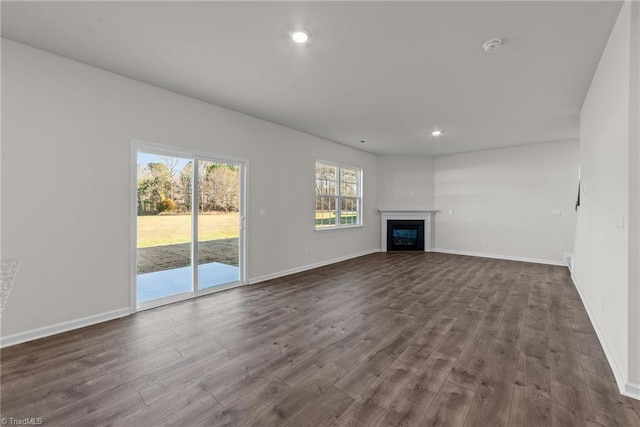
65 184
500 202
602 271
405 182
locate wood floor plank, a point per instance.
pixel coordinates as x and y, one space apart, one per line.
610 407
416 398
528 409
232 388
98 412
187 399
491 405
322 412
427 339
388 339
450 407
573 402
242 412
373 402
562 416
298 398
492 398
359 379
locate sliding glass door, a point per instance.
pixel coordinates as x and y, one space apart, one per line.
188 238
218 223
164 226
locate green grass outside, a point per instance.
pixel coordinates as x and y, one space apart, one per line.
161 230
331 219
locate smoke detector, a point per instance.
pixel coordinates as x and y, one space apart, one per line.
491 45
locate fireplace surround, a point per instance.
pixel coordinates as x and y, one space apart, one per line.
407 215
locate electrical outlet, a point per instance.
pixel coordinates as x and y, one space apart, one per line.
306 250
485 242
603 302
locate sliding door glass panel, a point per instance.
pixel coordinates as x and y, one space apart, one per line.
218 225
164 226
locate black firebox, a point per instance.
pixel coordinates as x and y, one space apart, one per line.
405 235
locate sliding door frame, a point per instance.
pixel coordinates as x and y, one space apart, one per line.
195 156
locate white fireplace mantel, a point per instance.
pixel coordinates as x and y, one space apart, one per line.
395 214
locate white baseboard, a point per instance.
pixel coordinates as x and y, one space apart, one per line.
632 390
497 256
628 389
271 276
58 328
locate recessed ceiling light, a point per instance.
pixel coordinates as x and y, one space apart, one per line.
436 133
491 45
300 37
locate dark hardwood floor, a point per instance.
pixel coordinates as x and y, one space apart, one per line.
386 339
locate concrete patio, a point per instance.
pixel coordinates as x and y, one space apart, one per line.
166 270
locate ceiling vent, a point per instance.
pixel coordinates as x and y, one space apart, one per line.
491 45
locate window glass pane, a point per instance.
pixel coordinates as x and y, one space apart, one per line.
349 212
348 175
333 188
324 187
326 177
327 172
325 212
349 190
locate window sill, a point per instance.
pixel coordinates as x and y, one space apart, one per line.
344 227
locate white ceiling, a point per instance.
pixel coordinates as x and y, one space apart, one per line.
385 72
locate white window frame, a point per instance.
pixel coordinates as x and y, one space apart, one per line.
339 197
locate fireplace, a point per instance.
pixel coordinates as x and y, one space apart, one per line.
405 235
410 235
